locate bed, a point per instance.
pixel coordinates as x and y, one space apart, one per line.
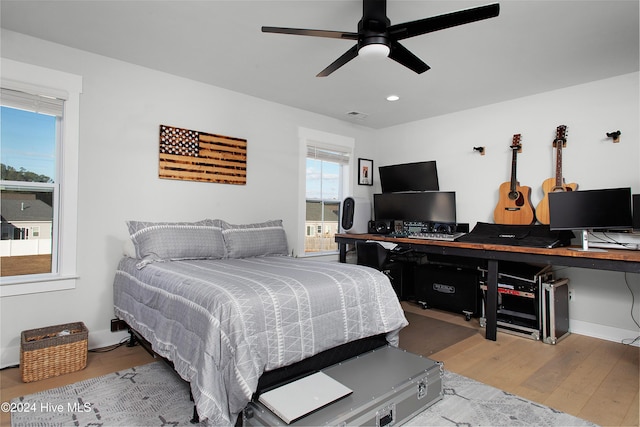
226 304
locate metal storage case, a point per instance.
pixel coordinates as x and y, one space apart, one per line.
532 303
555 310
390 386
519 291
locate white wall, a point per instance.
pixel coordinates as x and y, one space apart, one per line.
602 302
122 106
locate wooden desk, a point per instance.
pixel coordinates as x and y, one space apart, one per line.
613 259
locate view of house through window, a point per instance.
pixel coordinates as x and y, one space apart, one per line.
30 129
324 182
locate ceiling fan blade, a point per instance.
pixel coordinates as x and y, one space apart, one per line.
313 33
346 57
436 23
403 56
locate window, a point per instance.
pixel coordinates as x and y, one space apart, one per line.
39 180
327 163
29 189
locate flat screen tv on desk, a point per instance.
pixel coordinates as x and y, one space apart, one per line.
606 209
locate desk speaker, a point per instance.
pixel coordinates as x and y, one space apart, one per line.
636 212
356 213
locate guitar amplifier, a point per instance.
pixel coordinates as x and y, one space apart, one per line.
449 287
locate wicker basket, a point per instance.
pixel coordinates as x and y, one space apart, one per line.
52 351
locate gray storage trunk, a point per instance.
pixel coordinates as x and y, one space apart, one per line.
390 386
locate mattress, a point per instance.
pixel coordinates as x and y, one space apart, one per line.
223 323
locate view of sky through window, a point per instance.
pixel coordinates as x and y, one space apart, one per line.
323 180
27 140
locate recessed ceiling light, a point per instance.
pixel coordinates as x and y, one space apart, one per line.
393 98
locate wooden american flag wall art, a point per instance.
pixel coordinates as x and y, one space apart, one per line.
197 156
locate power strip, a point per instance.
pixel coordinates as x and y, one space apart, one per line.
607 245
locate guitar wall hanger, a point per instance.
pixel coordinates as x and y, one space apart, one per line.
480 150
615 135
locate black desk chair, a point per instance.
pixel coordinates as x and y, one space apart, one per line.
373 254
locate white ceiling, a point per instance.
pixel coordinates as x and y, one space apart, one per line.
532 47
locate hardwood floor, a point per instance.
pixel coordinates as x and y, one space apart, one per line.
590 378
587 377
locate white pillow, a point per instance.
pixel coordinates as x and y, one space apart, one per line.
128 249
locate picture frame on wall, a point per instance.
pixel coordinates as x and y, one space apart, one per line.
365 172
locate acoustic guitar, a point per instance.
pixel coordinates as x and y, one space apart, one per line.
514 203
554 184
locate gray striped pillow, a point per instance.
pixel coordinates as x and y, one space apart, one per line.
171 241
252 240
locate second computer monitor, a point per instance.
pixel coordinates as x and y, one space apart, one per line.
428 206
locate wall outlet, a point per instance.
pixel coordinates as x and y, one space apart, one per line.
118 325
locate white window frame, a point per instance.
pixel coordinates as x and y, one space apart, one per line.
311 137
43 81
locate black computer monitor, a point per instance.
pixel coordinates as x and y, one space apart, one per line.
606 209
419 176
427 206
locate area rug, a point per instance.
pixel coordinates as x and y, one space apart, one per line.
426 335
153 395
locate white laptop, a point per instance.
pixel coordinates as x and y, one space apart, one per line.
296 399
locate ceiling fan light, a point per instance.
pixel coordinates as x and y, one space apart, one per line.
374 50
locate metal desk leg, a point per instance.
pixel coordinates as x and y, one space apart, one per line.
342 250
491 304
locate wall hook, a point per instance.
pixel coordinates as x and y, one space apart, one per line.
615 135
480 150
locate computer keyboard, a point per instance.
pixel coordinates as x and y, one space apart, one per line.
436 236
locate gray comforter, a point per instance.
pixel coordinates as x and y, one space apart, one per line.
225 322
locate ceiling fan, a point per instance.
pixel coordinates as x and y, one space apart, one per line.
376 35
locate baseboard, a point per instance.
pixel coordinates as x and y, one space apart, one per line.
97 339
603 332
105 338
10 356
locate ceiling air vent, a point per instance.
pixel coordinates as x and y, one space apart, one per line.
357 115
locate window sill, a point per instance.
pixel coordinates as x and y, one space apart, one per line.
35 284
